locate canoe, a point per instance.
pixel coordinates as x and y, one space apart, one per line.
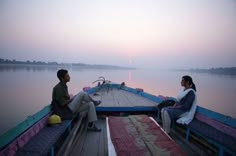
131 125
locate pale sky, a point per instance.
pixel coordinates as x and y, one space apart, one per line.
137 33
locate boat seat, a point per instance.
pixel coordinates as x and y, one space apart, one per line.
214 132
43 142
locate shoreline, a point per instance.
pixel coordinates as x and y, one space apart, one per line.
71 66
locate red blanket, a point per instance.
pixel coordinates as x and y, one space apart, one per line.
138 135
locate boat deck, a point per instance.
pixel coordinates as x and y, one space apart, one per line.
114 97
96 143
92 143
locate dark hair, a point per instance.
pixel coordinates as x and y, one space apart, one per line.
190 81
61 73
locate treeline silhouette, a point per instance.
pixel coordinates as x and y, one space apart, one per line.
41 63
7 61
220 70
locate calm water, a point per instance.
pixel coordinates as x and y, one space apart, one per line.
26 90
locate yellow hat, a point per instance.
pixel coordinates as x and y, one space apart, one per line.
54 119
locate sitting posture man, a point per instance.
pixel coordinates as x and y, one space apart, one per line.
67 107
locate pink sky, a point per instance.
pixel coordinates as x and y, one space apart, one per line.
139 33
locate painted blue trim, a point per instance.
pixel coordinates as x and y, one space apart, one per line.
221 151
13 133
217 116
143 94
52 150
70 127
187 134
19 129
92 90
96 88
158 116
211 114
220 146
151 97
126 109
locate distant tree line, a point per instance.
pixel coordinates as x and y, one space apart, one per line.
220 70
7 61
15 62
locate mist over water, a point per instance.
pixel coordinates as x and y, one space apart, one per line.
26 90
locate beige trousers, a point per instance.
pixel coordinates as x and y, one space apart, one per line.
82 103
166 121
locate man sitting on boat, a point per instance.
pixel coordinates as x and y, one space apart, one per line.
67 107
184 108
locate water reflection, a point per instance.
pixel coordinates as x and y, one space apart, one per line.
25 90
34 68
130 76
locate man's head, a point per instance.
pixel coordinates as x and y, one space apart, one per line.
63 75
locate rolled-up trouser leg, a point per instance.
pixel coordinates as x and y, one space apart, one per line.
92 115
76 102
167 121
85 96
83 109
163 118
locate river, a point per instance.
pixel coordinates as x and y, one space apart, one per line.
25 90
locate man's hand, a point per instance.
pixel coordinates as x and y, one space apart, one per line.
69 101
71 96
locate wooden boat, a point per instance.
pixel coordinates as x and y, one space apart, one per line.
130 124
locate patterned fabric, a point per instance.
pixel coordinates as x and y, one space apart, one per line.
40 144
138 135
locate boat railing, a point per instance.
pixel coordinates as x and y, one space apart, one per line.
13 133
216 129
34 135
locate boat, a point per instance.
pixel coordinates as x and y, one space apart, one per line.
131 125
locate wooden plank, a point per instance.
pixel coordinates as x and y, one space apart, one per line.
121 98
66 147
78 143
95 143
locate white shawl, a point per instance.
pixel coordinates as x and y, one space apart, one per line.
187 117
